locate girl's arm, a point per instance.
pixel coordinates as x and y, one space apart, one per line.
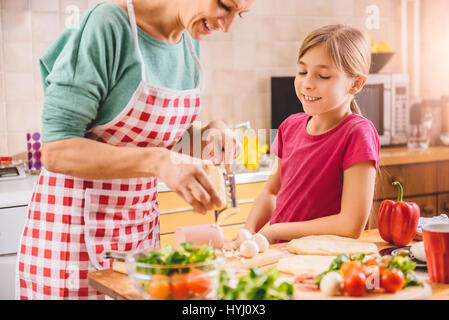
265 203
357 198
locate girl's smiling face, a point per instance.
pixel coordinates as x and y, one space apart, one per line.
320 86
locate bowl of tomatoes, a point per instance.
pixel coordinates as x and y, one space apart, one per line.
187 273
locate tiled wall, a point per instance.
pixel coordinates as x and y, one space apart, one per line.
238 64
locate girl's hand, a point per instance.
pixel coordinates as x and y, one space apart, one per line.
220 144
268 232
186 176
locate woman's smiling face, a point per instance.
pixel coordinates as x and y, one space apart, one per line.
212 15
319 85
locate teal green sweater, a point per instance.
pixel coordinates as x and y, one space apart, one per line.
90 72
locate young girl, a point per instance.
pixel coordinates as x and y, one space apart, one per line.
327 156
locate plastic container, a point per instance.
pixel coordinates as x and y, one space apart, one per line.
436 245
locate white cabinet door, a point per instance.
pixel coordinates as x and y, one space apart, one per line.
12 221
7 276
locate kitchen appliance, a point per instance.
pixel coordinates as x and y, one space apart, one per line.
14 198
384 101
12 172
231 195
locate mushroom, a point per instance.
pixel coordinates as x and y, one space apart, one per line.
330 284
261 241
248 248
244 234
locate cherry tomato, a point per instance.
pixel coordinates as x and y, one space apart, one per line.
178 287
372 262
350 266
355 283
158 287
197 281
391 280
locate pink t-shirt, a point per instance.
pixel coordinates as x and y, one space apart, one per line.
313 165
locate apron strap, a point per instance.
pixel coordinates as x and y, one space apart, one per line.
197 62
132 18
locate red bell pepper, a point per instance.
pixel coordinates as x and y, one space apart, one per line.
397 221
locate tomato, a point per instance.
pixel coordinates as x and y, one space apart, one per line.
355 283
178 287
372 262
391 280
350 266
197 281
158 288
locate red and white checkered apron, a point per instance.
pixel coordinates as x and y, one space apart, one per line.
71 221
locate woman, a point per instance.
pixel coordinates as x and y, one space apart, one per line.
118 98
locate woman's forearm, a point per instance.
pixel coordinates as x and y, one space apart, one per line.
261 211
88 159
335 224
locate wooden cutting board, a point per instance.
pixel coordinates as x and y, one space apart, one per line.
410 293
269 257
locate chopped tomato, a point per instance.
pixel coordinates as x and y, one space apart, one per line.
350 266
158 287
355 283
178 287
372 262
391 280
197 281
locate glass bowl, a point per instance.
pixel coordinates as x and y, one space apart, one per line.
198 281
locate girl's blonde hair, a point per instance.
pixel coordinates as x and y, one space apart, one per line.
348 48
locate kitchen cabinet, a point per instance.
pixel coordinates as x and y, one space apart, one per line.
14 198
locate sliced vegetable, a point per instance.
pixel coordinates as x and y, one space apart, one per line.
351 266
187 254
360 274
256 285
391 280
178 287
197 282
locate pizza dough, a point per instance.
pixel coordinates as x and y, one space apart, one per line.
301 264
329 245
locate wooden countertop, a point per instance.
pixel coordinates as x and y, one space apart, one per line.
404 155
119 286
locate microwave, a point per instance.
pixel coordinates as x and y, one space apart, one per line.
384 100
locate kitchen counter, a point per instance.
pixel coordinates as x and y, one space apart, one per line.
119 286
404 155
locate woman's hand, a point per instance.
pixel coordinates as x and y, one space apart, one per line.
220 144
186 176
